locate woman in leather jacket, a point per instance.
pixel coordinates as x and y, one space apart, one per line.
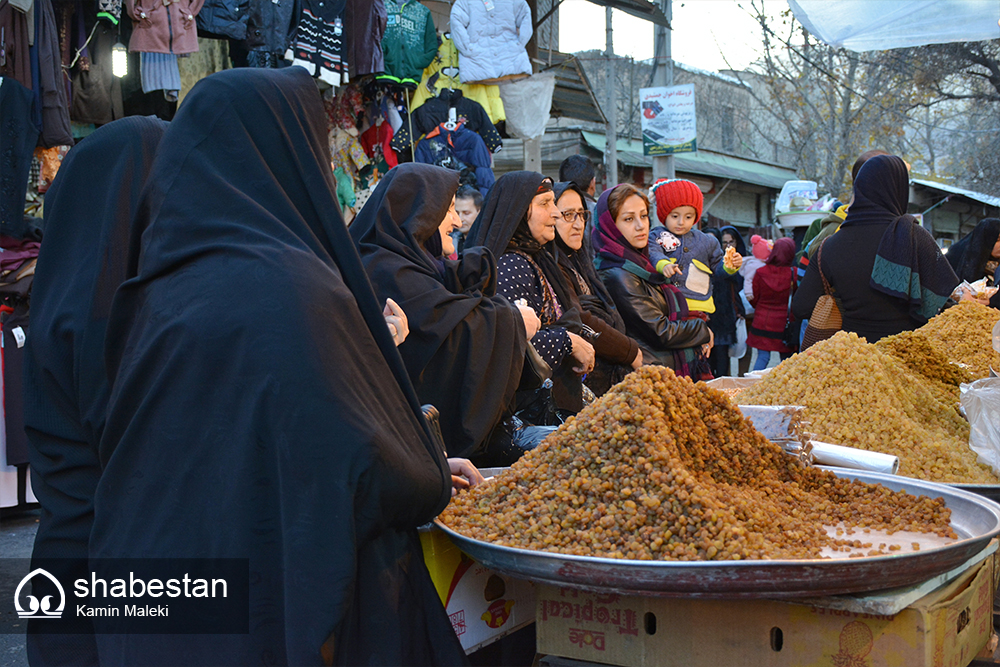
654 311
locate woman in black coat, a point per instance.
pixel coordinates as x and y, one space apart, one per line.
655 312
977 256
729 309
876 258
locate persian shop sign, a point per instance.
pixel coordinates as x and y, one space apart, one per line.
668 120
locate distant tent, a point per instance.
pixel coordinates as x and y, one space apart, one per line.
863 25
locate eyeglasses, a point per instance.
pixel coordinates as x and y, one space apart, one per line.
572 216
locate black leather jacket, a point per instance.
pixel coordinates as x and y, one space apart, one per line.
644 309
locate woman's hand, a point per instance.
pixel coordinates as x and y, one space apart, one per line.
464 475
969 296
531 322
395 319
707 347
583 352
637 362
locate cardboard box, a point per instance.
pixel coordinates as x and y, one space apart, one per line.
946 628
483 604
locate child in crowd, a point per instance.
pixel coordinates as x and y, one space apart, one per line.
468 202
760 250
678 249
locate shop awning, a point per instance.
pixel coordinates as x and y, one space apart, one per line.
950 189
704 163
638 8
573 96
863 25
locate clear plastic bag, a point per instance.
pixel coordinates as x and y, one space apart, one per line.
981 403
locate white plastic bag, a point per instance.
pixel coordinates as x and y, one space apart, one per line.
981 402
740 348
527 103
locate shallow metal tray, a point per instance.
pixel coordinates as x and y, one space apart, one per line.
975 519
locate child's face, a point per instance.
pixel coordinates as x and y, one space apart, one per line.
467 211
681 220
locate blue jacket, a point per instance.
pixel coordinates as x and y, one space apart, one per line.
460 149
693 249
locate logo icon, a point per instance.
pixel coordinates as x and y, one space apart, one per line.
42 609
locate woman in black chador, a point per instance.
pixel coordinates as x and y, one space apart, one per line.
260 409
88 231
466 346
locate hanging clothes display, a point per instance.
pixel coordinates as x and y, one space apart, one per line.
50 90
491 37
365 28
223 18
160 72
443 72
318 44
459 149
159 27
410 42
97 92
435 111
269 31
14 29
18 136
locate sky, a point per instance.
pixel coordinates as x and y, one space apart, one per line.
706 33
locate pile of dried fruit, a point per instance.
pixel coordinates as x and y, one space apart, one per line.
964 334
663 469
858 395
924 360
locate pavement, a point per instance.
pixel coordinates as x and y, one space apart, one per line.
17 535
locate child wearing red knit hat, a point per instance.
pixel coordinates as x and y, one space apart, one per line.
676 248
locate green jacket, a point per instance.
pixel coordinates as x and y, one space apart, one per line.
410 42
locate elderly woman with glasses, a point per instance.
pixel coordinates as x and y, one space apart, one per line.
616 353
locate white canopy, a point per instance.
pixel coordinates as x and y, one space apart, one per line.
869 25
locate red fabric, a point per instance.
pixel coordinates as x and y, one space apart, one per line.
379 135
675 193
771 288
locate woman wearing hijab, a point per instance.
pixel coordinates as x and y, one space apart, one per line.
878 258
977 256
88 216
260 409
773 283
466 346
616 353
654 311
728 305
517 224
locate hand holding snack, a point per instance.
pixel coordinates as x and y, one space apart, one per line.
732 259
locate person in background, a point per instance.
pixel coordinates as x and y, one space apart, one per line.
468 203
654 311
760 250
579 170
977 256
887 273
518 224
728 305
616 353
248 335
773 283
679 250
467 344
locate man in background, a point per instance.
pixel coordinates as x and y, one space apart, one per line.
468 201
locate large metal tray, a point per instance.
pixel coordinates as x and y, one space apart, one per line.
975 519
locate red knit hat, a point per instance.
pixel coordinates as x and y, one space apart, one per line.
673 194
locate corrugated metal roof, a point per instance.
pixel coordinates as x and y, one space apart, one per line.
573 96
640 8
971 194
706 163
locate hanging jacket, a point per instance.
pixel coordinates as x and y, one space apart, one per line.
271 24
434 111
443 72
410 42
157 28
224 18
491 38
460 149
318 44
366 23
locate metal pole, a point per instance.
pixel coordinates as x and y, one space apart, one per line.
611 109
663 165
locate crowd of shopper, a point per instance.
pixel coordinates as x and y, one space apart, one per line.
218 342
